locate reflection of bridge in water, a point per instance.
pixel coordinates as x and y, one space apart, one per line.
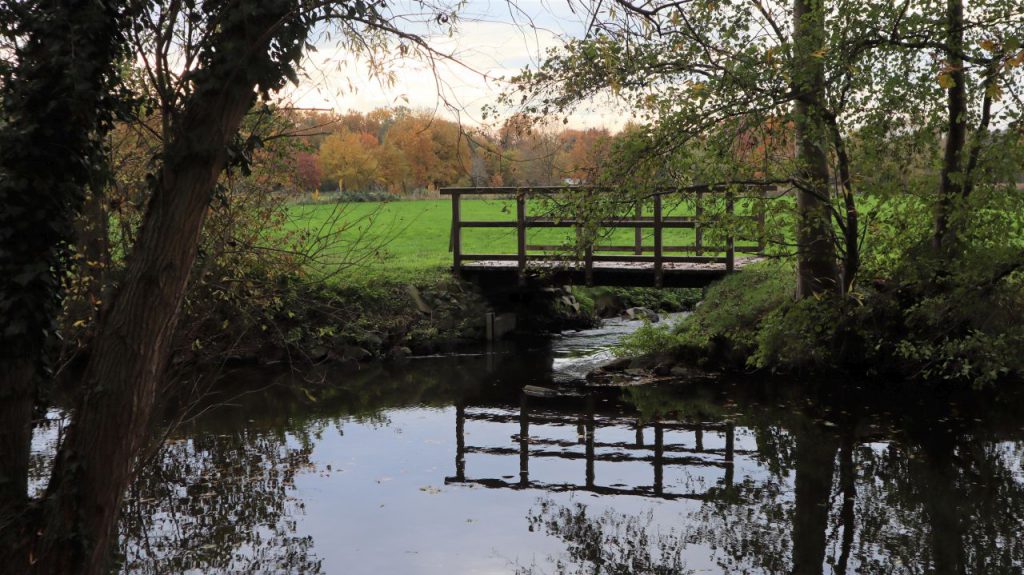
659 452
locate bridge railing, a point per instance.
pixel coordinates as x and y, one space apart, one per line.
660 253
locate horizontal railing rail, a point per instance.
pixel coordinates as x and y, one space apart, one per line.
657 222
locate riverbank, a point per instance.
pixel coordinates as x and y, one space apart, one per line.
366 322
923 324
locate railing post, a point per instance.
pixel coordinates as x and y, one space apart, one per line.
698 230
521 232
658 264
761 240
456 236
588 255
638 236
730 239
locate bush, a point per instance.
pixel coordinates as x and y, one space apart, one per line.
648 338
724 327
933 320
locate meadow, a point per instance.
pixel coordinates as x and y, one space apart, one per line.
410 240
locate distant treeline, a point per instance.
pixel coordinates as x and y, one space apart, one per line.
404 152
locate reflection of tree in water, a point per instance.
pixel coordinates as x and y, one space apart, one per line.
606 544
840 494
944 505
220 500
219 503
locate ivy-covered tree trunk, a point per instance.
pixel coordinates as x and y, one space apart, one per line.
56 106
817 271
952 180
112 422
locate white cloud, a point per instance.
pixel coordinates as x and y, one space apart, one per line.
486 48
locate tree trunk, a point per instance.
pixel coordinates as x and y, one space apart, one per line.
15 440
851 228
111 426
54 105
952 180
817 271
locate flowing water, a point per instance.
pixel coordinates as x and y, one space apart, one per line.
443 466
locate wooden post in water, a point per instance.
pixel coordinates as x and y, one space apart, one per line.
521 233
590 430
730 442
658 263
456 240
524 441
659 454
460 442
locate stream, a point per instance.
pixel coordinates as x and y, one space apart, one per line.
443 466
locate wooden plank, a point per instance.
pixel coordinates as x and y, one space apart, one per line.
627 259
647 249
488 224
658 255
540 222
663 259
512 190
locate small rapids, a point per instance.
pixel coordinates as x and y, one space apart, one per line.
577 353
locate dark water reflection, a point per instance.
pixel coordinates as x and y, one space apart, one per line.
441 466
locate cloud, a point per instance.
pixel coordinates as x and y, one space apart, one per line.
485 49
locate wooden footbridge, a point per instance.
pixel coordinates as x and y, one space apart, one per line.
648 258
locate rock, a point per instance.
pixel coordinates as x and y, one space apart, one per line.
538 391
642 313
608 305
351 352
417 298
662 369
399 352
651 360
317 353
684 372
618 364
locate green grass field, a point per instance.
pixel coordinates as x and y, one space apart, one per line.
411 239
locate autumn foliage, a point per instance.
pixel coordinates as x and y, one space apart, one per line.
404 152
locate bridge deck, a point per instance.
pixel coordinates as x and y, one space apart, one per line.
495 273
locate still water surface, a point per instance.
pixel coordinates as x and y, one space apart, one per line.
442 466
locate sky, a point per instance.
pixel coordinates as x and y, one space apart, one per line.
492 40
